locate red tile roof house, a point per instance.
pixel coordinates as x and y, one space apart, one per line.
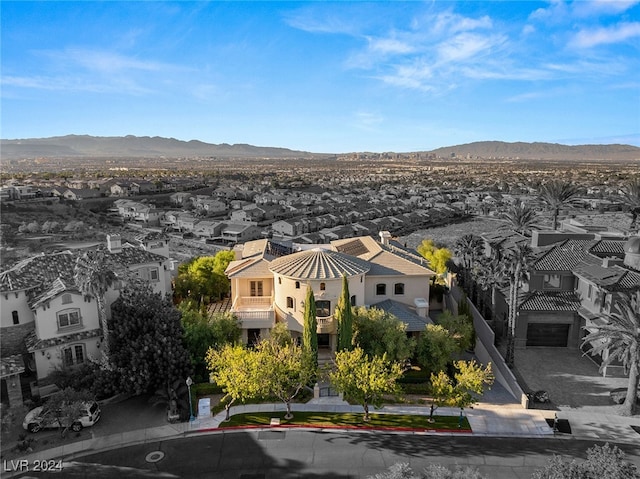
45 322
572 285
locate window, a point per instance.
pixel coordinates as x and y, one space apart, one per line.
398 288
256 288
297 284
551 281
289 302
323 286
66 298
73 355
323 309
279 280
153 274
68 318
353 300
590 291
381 289
16 320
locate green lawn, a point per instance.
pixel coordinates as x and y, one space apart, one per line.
327 419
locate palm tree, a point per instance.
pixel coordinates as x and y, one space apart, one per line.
93 277
468 248
519 258
521 216
493 273
631 198
556 194
619 339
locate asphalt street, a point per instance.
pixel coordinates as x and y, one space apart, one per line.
285 454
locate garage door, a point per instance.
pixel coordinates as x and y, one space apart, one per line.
555 335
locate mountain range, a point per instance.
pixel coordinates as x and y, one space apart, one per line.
78 146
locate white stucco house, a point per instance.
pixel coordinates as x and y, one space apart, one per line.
269 283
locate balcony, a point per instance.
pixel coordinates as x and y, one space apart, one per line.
326 325
254 311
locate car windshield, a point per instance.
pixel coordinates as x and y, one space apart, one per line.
93 408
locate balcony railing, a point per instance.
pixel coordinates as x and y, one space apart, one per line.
325 324
254 311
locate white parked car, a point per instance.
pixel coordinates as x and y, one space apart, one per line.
36 419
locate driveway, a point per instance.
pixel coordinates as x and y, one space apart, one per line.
571 379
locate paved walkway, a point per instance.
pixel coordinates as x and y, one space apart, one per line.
486 419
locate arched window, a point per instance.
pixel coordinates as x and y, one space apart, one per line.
398 288
381 289
353 300
16 320
297 284
323 286
289 302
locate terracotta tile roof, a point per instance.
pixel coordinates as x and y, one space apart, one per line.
564 257
605 248
551 301
11 365
40 271
32 272
57 287
35 344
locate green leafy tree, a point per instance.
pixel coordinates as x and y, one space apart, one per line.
435 349
67 407
310 332
280 335
378 333
236 370
437 257
466 386
556 194
460 327
94 275
365 379
202 280
603 462
202 331
344 317
146 336
284 370
619 338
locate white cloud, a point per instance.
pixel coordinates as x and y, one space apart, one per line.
466 46
588 38
102 61
602 7
390 45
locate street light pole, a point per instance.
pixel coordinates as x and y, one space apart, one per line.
189 383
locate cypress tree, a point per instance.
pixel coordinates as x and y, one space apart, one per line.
310 333
344 317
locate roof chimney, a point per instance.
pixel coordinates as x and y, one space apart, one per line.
385 236
114 243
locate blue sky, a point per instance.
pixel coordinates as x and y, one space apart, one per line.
324 76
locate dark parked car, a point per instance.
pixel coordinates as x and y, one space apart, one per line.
618 395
